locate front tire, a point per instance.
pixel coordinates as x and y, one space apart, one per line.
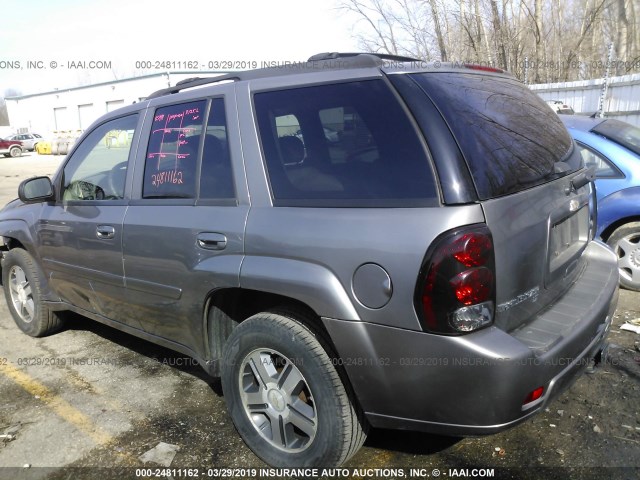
22 282
625 242
285 395
15 152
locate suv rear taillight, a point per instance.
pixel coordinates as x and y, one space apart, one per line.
456 290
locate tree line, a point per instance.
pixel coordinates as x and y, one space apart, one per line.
539 41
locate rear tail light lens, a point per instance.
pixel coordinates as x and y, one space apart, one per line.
473 285
456 289
472 250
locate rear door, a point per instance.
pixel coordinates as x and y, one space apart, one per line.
527 176
184 231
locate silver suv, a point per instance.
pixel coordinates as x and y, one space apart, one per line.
430 265
29 140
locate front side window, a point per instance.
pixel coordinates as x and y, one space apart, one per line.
346 144
171 161
97 169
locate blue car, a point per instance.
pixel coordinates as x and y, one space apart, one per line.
613 147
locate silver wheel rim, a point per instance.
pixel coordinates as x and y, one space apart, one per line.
277 400
628 251
21 294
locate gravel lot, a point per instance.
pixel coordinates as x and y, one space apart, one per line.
89 401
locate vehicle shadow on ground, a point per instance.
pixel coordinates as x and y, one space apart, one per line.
409 442
156 353
401 441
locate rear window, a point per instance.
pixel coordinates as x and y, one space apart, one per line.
346 144
510 138
620 132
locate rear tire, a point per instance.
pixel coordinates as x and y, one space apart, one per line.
625 242
285 396
15 152
22 282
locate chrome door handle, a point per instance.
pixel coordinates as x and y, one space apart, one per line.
105 232
212 241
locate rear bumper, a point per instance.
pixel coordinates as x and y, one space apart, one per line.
476 384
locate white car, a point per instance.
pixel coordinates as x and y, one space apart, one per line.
560 107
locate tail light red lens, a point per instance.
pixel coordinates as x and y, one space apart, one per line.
473 286
456 289
472 250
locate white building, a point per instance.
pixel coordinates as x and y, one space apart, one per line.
74 109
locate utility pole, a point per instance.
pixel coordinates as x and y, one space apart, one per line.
605 83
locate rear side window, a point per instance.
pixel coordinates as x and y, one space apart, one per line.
510 138
347 144
171 162
216 179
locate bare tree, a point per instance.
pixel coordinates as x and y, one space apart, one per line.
376 15
436 22
537 35
563 39
588 22
498 34
623 36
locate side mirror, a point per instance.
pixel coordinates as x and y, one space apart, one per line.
37 189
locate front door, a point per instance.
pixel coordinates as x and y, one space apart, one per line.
80 236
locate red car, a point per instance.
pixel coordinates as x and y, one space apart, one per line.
10 148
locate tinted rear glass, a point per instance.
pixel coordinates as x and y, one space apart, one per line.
510 138
346 144
620 132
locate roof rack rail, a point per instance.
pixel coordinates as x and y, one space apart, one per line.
357 59
192 82
381 56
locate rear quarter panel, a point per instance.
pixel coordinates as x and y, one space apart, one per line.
620 207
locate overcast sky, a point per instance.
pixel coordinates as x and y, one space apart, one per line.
51 34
